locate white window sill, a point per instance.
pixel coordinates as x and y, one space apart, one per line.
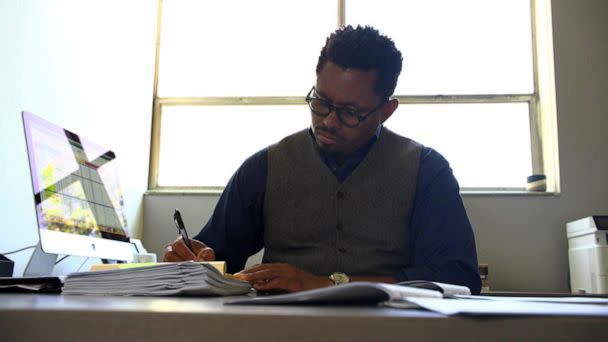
215 191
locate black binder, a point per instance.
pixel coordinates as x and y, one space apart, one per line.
31 284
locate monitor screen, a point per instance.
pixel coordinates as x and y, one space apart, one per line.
79 201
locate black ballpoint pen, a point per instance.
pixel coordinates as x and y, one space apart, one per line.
181 229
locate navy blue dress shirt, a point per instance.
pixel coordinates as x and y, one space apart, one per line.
441 237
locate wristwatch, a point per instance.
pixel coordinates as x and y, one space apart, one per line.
339 278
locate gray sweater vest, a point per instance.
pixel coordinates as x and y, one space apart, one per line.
360 226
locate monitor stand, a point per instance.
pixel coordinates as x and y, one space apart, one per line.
41 264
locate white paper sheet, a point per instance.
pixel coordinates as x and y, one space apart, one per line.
570 300
463 306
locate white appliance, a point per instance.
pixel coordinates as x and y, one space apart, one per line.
588 254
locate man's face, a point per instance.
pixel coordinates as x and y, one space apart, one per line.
349 88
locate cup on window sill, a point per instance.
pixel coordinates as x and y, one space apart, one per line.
537 183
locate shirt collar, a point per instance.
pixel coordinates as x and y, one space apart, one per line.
351 161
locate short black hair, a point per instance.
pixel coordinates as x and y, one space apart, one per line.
364 48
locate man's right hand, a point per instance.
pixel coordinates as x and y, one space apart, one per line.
178 251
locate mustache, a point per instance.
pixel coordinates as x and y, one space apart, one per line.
331 132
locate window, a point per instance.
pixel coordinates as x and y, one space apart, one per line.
476 84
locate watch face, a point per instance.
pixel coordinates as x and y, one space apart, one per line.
339 278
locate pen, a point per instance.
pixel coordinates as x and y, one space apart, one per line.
181 229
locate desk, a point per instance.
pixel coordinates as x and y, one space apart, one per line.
30 317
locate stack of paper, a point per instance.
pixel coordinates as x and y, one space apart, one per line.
164 279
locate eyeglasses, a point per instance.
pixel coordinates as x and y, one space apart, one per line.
347 115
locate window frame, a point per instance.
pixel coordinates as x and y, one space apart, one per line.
541 104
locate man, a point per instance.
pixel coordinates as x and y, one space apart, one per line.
347 199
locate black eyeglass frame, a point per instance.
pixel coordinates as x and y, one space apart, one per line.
340 111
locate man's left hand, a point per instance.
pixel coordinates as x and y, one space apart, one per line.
282 277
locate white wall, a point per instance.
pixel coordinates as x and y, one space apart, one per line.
87 66
522 238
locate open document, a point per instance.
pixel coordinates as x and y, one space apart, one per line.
163 279
442 298
360 292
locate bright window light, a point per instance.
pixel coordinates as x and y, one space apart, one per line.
204 145
455 47
232 76
241 47
487 145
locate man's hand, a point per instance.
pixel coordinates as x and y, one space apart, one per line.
282 277
178 251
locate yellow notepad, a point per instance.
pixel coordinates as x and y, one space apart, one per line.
219 265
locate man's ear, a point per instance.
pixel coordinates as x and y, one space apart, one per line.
389 109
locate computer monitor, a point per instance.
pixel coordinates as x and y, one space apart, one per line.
78 200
